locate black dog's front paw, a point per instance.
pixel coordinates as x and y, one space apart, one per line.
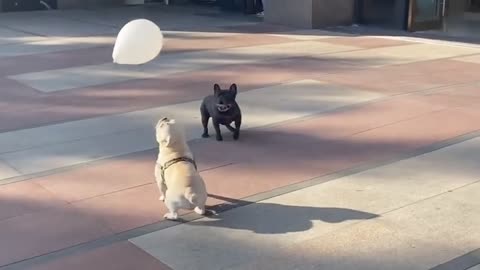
219 138
236 136
205 135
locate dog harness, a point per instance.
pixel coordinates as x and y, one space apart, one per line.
174 161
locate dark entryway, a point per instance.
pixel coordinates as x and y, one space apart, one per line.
383 13
474 6
245 6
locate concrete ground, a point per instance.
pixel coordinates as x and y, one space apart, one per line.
358 152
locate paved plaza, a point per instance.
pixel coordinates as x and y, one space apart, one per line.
357 152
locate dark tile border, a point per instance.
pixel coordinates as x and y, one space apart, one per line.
463 262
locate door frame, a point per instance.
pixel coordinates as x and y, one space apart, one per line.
425 25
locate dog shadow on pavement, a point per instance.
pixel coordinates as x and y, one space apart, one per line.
272 218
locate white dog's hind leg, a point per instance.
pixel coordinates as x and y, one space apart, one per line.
196 201
171 216
200 211
172 208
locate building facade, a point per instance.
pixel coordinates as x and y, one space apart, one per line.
411 15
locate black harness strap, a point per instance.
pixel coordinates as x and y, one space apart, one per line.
174 161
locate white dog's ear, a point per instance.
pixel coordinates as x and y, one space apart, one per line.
161 121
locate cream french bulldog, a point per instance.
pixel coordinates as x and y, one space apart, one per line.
180 184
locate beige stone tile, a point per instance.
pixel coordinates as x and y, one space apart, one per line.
404 54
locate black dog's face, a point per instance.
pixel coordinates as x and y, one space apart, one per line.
225 99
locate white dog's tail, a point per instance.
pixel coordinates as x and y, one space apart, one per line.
191 196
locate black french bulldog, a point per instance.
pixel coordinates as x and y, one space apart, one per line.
223 109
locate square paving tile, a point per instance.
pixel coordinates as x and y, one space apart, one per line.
395 55
99 179
125 210
22 198
38 233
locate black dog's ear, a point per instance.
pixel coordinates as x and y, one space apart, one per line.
233 89
216 89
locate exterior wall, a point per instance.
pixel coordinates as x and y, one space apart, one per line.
296 13
309 13
333 12
456 7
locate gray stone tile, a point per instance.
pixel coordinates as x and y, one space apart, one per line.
50 45
48 23
8 36
474 268
7 171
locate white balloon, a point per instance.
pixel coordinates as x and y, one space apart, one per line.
138 42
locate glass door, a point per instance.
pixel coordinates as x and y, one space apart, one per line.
425 14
